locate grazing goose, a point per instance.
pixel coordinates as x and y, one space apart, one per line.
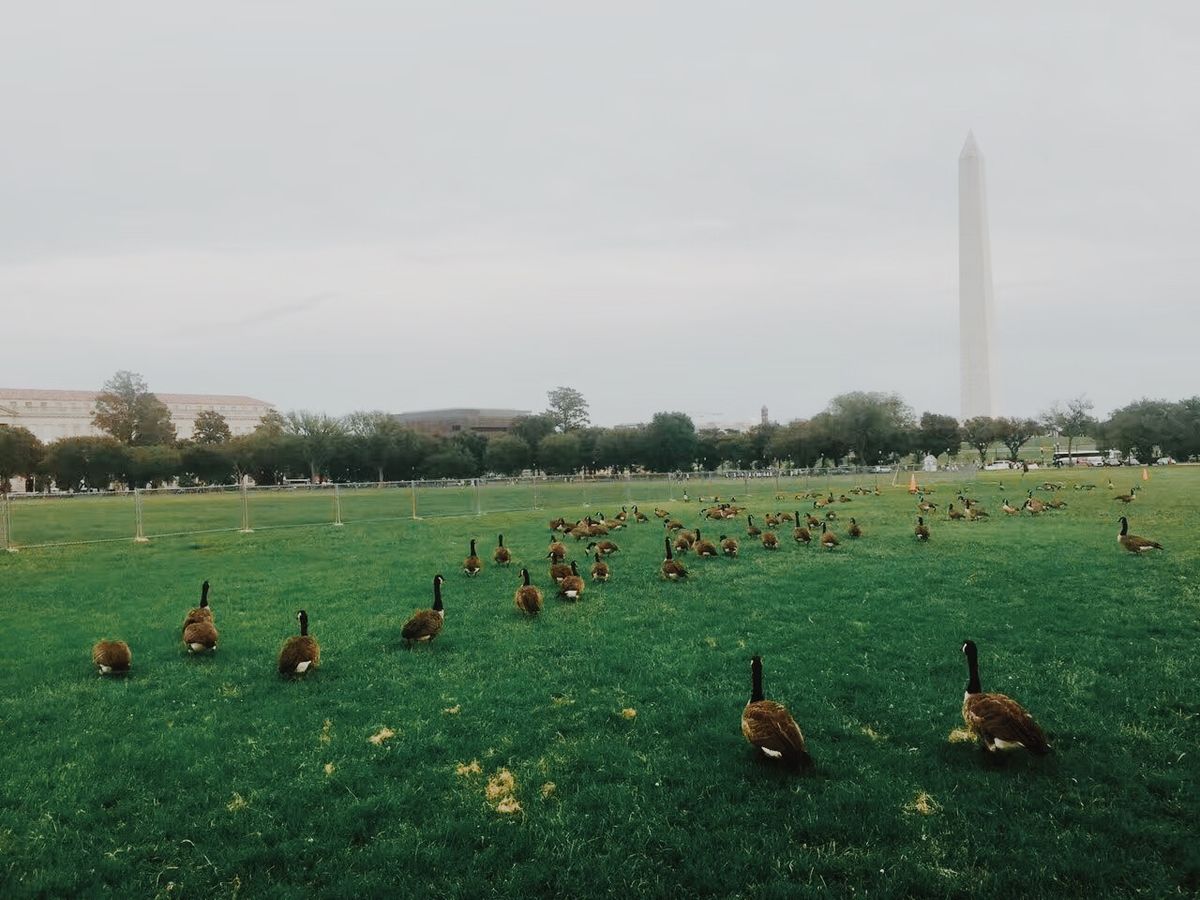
922 530
829 540
472 565
299 652
600 570
111 657
671 568
956 514
660 512
528 598
770 728
1009 508
1132 542
501 556
704 548
571 587
729 546
1126 498
999 721
811 521
770 541
855 531
557 550
639 516
426 624
559 571
605 548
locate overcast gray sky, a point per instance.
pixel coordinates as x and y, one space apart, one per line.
691 206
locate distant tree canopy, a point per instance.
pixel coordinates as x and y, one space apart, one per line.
20 453
127 410
372 446
567 409
210 427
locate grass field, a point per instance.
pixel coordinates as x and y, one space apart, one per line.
214 777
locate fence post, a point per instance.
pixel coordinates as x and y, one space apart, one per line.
6 524
671 487
533 491
478 501
412 490
337 506
244 490
139 536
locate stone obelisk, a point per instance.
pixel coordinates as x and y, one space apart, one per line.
974 286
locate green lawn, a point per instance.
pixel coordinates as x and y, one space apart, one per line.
214 777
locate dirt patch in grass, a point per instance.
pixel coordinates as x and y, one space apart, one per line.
383 734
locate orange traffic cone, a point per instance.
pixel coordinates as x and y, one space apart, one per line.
1145 474
912 483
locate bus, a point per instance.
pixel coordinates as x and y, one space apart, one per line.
1087 458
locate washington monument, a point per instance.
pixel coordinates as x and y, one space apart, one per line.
974 286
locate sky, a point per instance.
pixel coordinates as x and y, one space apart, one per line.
703 207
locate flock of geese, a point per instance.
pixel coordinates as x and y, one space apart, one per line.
997 721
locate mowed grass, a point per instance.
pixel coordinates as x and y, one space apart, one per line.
214 777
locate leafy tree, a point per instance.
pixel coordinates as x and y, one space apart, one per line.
1013 433
152 466
618 448
272 422
735 448
758 439
210 427
449 461
207 463
937 434
981 432
828 437
531 429
79 463
1140 427
872 424
1072 420
567 409
319 436
473 443
669 442
127 410
506 454
559 454
268 453
794 442
708 448
1187 443
20 454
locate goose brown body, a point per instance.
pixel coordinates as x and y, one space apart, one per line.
111 657
501 556
671 568
300 652
528 597
201 613
770 728
1132 542
200 637
729 546
999 721
922 530
704 548
770 540
571 587
426 624
751 529
829 540
472 565
599 569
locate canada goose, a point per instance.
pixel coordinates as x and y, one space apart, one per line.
559 524
599 569
201 636
787 517
770 541
580 530
684 541
426 624
844 499
1126 498
605 548
704 548
1132 542
956 514
811 521
925 505
501 556
770 728
660 512
528 598
999 721
830 516
855 531
201 613
622 515
751 529
922 530
1009 508
1056 503
595 529
800 533
639 517
472 565
571 587
674 525
111 657
829 540
1034 505
729 546
975 512
559 571
772 520
557 551
299 652
672 568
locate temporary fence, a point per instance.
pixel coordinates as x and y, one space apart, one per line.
30 521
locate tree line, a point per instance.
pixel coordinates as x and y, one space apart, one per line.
866 428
